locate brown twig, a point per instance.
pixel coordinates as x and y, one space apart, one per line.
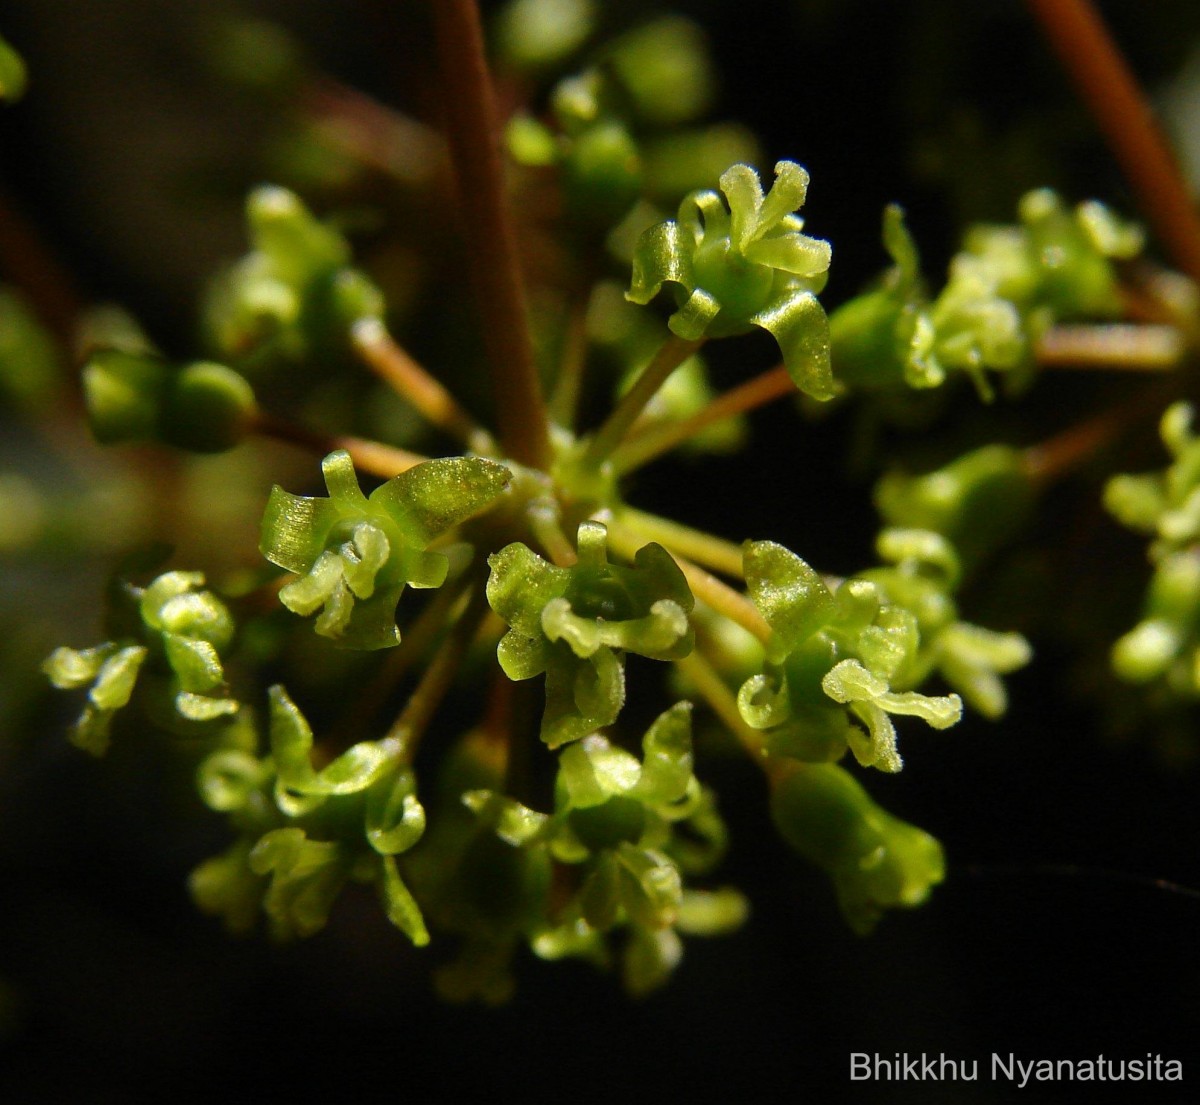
411 380
671 354
374 457
487 221
1120 347
1108 87
645 447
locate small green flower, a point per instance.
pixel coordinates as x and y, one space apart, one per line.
894 334
743 266
111 670
851 647
977 502
305 831
575 624
137 396
295 294
182 625
355 554
876 861
615 820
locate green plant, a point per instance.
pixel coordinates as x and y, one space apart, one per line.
554 821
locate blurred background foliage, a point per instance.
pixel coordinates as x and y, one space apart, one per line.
129 159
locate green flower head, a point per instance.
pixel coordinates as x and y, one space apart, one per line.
575 624
744 265
355 554
850 647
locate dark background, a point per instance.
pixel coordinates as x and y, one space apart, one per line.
1050 938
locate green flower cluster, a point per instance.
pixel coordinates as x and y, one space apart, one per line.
1165 644
1005 288
304 833
611 858
294 296
179 631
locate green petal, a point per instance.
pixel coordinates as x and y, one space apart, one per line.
650 957
650 886
787 194
395 818
116 678
294 529
902 249
291 747
228 779
433 497
593 770
521 584
663 255
667 756
582 696
522 657
399 904
516 824
196 663
801 328
792 253
68 668
692 319
743 190
790 595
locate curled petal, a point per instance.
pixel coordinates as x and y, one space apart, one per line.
663 256
801 328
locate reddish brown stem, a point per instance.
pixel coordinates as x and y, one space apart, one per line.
473 134
374 457
1108 87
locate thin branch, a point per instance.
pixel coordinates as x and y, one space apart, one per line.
720 698
711 551
376 135
442 610
1108 87
437 678
645 447
724 599
374 457
545 520
1073 447
572 361
706 587
671 354
1120 347
491 237
393 364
